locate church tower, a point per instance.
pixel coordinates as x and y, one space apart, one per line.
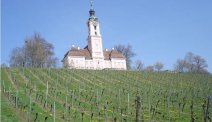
93 56
94 36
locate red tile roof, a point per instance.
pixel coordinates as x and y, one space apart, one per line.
87 54
116 54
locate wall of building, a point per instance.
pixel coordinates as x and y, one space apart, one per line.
76 62
89 64
81 63
107 64
118 63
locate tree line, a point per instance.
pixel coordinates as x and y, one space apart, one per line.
37 52
191 63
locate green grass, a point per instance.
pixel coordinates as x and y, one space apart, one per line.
8 114
165 96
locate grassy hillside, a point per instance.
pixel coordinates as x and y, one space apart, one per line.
85 95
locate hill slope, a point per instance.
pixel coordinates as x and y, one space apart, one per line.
88 95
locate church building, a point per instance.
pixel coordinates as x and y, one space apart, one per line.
93 56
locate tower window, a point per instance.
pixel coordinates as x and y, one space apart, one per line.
95 33
95 27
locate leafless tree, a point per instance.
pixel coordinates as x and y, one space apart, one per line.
199 64
139 65
180 66
158 66
36 52
191 63
127 52
17 57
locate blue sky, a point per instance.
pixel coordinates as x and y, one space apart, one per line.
158 30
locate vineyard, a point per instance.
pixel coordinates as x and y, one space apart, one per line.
57 95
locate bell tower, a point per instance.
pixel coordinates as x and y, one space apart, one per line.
94 36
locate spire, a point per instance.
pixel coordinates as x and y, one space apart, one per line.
91 4
92 12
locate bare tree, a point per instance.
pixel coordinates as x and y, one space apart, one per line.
139 65
158 66
36 52
127 52
199 64
191 63
180 66
52 62
17 57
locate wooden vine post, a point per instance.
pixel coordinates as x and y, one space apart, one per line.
9 93
66 107
106 110
72 101
46 94
79 92
97 97
119 99
3 86
207 109
16 99
138 106
97 104
55 96
192 107
168 106
149 108
30 106
128 103
54 111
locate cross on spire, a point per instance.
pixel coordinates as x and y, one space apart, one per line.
91 4
92 12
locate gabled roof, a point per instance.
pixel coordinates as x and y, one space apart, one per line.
116 54
79 52
87 54
106 55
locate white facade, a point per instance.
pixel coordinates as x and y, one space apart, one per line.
93 56
81 63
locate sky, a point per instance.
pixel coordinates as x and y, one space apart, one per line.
158 30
